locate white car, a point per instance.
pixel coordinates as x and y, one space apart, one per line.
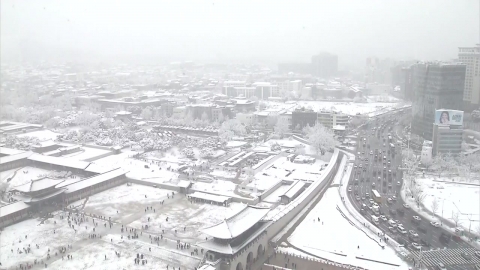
394 197
417 218
384 218
349 189
371 201
416 246
406 205
435 224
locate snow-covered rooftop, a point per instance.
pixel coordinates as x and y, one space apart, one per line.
38 185
294 189
237 224
7 159
60 161
12 208
10 151
209 197
95 180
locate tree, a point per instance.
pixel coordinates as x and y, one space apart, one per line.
204 116
281 127
320 138
3 188
418 195
147 113
435 205
456 218
443 163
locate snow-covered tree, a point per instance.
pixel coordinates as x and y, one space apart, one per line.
147 113
281 127
435 205
320 138
204 116
456 218
3 188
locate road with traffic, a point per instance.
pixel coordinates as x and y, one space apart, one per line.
378 163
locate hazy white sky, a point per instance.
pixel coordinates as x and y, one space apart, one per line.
278 30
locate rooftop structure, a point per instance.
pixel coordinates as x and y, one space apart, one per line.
238 223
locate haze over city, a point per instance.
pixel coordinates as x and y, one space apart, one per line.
240 135
255 31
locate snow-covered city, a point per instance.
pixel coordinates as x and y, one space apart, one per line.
139 151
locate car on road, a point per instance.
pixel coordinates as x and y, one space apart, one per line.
435 224
349 189
392 223
363 198
477 253
371 201
466 256
416 246
367 195
398 183
401 229
416 219
406 205
389 200
358 198
392 229
394 198
384 218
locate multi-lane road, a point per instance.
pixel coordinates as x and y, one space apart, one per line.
385 176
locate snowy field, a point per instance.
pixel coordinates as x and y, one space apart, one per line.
88 253
42 135
234 144
137 168
349 242
286 170
452 198
128 205
349 108
224 174
34 173
219 187
87 153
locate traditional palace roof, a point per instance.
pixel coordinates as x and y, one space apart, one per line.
238 223
38 185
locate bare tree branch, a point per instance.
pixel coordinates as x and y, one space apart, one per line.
435 205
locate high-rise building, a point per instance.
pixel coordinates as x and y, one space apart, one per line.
324 65
470 56
436 85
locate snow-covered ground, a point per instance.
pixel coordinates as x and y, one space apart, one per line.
87 153
350 108
88 253
224 174
233 144
452 198
42 135
286 170
349 241
220 187
137 168
129 205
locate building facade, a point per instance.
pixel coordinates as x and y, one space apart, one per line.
436 85
470 56
447 139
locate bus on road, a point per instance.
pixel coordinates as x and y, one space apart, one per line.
376 196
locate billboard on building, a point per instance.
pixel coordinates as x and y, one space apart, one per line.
449 117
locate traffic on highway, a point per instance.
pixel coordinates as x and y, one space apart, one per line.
374 190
